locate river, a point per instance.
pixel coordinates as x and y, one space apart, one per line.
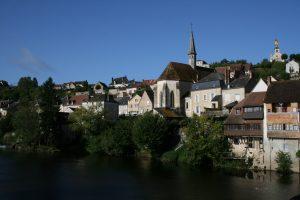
27 176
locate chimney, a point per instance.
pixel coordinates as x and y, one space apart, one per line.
250 74
269 80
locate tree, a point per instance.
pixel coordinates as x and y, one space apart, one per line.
27 89
150 132
284 56
118 140
88 122
48 108
26 125
284 162
205 143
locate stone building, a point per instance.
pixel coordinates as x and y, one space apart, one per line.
205 95
100 88
176 81
281 123
292 68
146 102
123 105
133 105
244 128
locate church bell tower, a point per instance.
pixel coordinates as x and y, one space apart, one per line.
192 51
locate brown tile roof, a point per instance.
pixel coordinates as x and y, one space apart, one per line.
283 92
252 99
184 72
79 99
234 67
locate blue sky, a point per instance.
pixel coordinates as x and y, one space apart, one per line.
96 40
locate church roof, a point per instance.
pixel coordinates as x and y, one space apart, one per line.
184 72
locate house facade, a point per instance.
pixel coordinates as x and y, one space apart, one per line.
123 105
146 102
281 124
133 105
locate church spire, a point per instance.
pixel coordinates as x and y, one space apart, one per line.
192 50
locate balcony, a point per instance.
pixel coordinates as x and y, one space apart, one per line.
283 117
284 134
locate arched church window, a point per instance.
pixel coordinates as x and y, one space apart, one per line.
172 99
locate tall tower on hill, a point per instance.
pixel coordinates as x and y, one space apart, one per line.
192 51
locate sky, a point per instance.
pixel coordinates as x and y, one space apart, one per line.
96 40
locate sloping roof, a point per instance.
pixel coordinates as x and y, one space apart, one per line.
168 113
119 80
184 72
102 97
122 100
242 82
150 95
213 77
79 99
252 99
207 85
283 92
234 67
217 98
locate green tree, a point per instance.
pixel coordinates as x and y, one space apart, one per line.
284 56
88 122
48 108
150 133
205 143
27 89
26 125
284 162
118 140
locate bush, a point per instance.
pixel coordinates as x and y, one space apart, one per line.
150 132
284 162
94 144
169 157
118 140
298 154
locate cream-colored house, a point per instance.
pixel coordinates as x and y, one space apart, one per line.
205 94
235 91
133 105
146 102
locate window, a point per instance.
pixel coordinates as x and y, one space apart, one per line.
197 110
172 99
237 97
148 102
187 105
212 95
197 98
238 111
204 97
270 127
161 99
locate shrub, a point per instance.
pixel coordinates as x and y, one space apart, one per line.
150 133
284 162
298 154
169 157
118 140
94 144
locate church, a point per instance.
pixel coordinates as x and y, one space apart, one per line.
175 82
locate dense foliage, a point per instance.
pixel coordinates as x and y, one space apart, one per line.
284 162
150 133
275 69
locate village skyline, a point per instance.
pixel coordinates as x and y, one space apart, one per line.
94 50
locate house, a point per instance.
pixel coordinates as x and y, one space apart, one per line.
103 103
292 68
244 126
236 70
281 123
119 82
235 91
69 104
100 88
205 95
176 81
123 105
133 104
146 102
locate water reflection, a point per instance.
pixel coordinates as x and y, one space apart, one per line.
95 177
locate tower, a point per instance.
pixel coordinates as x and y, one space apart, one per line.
192 51
277 55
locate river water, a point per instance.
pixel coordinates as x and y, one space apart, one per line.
24 176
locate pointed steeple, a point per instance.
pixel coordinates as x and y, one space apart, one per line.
192 50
